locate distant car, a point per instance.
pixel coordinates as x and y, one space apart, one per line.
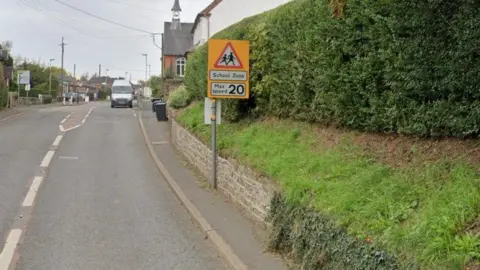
122 94
72 96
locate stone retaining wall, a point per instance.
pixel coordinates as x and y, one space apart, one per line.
239 183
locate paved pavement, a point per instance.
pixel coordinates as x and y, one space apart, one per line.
101 203
246 239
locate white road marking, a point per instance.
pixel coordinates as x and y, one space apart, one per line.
11 116
47 159
74 127
37 181
8 252
67 157
134 114
32 193
9 249
57 140
66 118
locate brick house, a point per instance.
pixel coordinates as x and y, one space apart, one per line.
177 41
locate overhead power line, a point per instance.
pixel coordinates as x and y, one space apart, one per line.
101 18
135 6
71 23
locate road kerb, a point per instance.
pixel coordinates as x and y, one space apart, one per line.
22 113
217 240
12 116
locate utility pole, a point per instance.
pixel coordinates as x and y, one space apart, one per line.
100 70
161 48
149 70
50 76
75 80
146 65
106 78
62 75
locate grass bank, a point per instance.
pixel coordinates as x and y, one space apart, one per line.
422 211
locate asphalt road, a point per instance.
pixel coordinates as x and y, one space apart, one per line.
102 203
24 141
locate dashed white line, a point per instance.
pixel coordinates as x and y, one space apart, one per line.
47 159
37 181
32 193
57 140
8 252
73 158
9 249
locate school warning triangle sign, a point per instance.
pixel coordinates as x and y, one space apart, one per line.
229 58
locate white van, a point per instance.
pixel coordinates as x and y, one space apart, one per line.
121 94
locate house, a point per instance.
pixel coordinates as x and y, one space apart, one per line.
201 29
99 82
222 13
84 88
177 41
68 85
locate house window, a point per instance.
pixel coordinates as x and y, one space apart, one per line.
181 66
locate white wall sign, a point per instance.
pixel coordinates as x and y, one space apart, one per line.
23 77
207 111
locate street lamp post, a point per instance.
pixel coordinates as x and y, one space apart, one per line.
106 79
50 75
146 64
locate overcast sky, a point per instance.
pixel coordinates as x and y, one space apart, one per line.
36 28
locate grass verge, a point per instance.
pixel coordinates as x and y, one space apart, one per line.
419 212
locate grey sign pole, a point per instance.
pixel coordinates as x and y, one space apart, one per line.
18 82
214 143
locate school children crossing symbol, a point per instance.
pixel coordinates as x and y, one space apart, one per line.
229 58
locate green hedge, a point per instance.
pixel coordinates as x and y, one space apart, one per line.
411 67
315 241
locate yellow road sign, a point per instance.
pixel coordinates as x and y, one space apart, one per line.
228 69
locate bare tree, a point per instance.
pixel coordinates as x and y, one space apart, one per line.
7 45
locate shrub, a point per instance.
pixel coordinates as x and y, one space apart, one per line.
3 89
47 99
387 66
179 98
316 242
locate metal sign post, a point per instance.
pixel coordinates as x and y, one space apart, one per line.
228 77
214 143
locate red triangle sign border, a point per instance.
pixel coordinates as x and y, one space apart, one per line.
234 52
